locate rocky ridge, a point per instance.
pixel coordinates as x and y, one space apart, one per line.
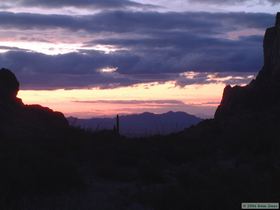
18 119
263 93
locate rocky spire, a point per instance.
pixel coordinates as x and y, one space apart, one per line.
271 45
277 23
263 93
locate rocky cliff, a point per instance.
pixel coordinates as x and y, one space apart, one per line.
263 93
18 119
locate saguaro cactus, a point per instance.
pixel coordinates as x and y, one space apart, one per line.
117 125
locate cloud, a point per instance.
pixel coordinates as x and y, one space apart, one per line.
236 78
155 47
274 1
11 48
99 4
233 1
139 22
135 102
178 52
125 107
75 70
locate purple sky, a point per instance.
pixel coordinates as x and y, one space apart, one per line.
81 44
74 39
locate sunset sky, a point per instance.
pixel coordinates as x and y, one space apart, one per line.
90 58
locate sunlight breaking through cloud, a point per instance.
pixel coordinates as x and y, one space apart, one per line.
108 69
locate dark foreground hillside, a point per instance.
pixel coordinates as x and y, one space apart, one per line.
207 167
234 158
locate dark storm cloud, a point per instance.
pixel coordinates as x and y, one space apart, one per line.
180 51
190 52
185 53
71 70
100 4
160 47
136 22
74 70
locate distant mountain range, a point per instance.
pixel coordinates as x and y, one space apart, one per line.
140 125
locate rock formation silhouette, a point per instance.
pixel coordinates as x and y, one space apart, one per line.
263 93
18 119
9 86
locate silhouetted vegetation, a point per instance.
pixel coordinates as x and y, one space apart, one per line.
195 169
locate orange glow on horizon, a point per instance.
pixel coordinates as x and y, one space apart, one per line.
197 99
